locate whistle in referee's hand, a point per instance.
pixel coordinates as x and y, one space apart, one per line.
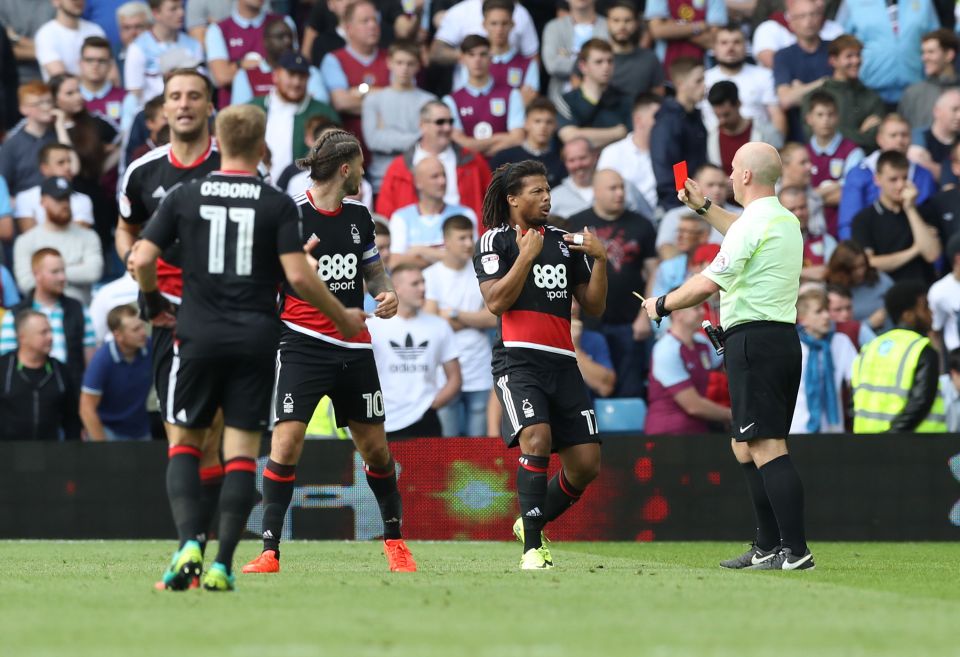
715 335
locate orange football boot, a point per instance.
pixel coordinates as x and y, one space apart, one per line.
267 562
398 556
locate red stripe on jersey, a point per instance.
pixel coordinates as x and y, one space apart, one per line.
537 330
325 213
169 279
299 312
180 165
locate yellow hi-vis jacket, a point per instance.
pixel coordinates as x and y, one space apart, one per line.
882 378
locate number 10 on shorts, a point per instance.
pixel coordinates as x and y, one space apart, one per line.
592 427
374 403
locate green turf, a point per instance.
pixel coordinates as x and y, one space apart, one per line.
95 598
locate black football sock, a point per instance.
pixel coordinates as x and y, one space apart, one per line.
185 493
383 483
278 482
211 479
236 501
768 532
785 491
561 495
532 493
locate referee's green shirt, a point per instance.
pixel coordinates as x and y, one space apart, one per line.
758 266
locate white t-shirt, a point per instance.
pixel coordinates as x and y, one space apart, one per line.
771 35
633 165
408 353
279 137
754 87
466 18
459 289
844 353
27 204
120 292
944 300
55 42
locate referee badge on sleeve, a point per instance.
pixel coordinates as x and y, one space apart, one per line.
721 263
491 263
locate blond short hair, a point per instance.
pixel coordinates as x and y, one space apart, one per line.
241 131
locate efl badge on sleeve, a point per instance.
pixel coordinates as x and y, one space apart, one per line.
514 76
482 130
491 263
498 106
113 110
836 168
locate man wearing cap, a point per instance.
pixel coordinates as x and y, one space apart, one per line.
79 246
288 106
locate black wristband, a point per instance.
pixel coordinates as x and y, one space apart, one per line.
661 306
705 207
154 303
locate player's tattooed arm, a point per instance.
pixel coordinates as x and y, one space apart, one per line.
381 289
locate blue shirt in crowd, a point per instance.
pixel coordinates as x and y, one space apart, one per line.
123 388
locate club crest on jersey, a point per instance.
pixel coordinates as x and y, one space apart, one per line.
355 233
836 168
159 192
288 403
498 106
491 263
514 76
564 250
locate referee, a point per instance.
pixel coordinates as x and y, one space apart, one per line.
757 273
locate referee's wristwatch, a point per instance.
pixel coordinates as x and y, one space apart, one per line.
661 307
702 210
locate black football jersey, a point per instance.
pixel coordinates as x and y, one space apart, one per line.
232 228
145 183
346 247
535 331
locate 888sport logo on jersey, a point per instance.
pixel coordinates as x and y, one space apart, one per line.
338 271
552 278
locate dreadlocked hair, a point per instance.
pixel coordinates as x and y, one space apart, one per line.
333 148
507 180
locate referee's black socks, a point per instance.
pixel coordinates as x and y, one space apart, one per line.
185 493
236 501
561 495
278 482
768 531
785 491
383 483
532 492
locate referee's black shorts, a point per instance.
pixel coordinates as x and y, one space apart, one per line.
763 367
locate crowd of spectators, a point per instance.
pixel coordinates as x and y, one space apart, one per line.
862 98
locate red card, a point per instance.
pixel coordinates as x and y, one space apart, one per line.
680 174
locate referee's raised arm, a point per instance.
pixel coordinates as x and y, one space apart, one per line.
757 272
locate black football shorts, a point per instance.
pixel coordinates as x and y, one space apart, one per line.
763 367
557 397
242 386
309 369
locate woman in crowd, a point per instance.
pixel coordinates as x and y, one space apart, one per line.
850 268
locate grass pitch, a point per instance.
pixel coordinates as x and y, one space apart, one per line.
96 598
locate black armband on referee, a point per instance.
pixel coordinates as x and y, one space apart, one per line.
661 306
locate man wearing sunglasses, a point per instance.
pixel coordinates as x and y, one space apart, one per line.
468 174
